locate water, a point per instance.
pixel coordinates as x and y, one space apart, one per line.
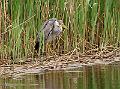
88 77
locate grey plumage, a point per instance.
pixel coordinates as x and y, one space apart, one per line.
51 29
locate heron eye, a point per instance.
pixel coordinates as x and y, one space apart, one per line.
58 26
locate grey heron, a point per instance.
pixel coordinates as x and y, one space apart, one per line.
51 29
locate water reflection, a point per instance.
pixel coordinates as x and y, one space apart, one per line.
91 77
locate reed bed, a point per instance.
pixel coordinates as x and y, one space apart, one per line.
91 24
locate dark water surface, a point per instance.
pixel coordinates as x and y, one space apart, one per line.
88 77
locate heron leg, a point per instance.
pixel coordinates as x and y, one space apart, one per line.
48 50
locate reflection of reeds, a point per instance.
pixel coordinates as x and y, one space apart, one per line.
92 24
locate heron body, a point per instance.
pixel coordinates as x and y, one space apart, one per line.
51 29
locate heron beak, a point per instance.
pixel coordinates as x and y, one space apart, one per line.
64 27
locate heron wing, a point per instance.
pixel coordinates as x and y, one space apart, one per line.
48 27
48 34
47 24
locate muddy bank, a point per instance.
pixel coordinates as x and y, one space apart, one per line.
63 62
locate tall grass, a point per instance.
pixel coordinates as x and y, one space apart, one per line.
91 24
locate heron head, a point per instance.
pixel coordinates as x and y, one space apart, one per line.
61 25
